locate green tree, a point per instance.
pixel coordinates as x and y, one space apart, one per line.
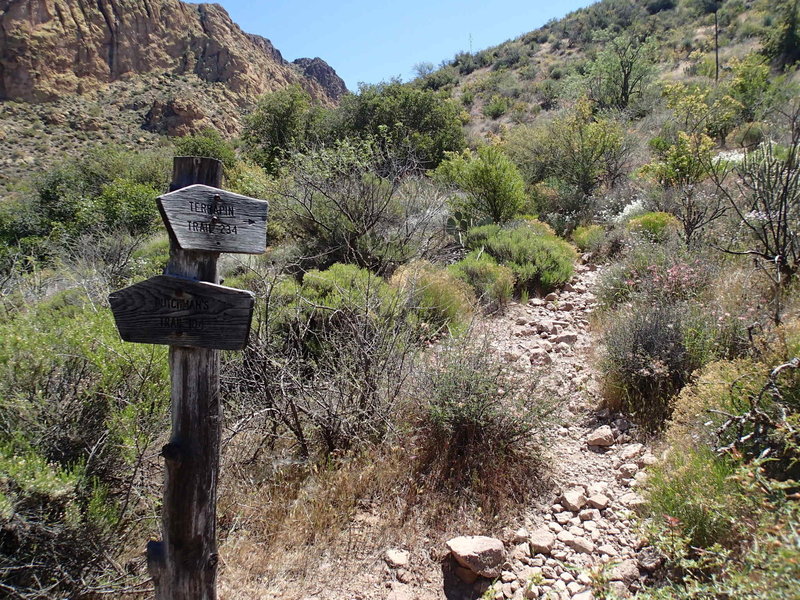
621 71
427 122
208 143
782 43
282 122
492 183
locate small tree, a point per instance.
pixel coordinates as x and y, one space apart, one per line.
621 72
681 171
766 199
782 43
281 123
358 202
427 122
492 183
208 143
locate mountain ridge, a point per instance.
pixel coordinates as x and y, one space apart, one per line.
49 48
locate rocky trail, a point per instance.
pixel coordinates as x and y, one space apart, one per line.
581 533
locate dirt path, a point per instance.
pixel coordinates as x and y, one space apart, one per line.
581 533
565 543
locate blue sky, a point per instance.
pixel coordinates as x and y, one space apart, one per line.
373 41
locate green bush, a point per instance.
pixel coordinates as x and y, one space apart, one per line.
355 202
437 298
540 262
693 496
646 361
427 122
129 206
588 238
655 226
494 188
493 284
78 410
209 144
656 273
496 107
325 300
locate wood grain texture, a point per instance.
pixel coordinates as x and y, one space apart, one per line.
200 217
184 564
179 312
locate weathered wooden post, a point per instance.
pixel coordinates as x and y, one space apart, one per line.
187 309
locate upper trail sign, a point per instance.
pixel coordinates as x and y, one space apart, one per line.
200 217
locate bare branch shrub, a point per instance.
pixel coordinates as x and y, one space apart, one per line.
360 203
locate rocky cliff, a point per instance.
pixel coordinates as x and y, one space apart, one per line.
49 48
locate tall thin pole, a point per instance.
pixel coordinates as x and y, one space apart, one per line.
184 564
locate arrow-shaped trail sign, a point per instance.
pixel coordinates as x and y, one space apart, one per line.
200 217
180 312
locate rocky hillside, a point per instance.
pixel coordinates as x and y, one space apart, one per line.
54 47
77 73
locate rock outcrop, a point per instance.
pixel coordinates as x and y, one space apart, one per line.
49 48
318 70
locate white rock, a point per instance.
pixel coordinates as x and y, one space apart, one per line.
520 535
565 338
580 544
398 559
631 451
602 436
632 500
542 541
574 587
574 499
628 470
565 537
599 501
626 571
482 555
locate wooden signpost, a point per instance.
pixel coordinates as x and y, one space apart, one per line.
187 309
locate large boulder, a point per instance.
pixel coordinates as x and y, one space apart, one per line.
480 554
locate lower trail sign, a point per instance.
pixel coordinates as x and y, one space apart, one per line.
187 309
180 312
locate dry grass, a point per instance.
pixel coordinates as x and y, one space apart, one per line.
282 530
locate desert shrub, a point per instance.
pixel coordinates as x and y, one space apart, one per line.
435 296
588 238
325 365
208 143
656 272
302 312
355 203
128 206
106 189
647 361
655 226
79 408
493 284
540 262
282 122
693 495
496 107
476 423
428 122
749 135
494 188
719 387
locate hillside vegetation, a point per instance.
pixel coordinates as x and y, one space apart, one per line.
398 220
